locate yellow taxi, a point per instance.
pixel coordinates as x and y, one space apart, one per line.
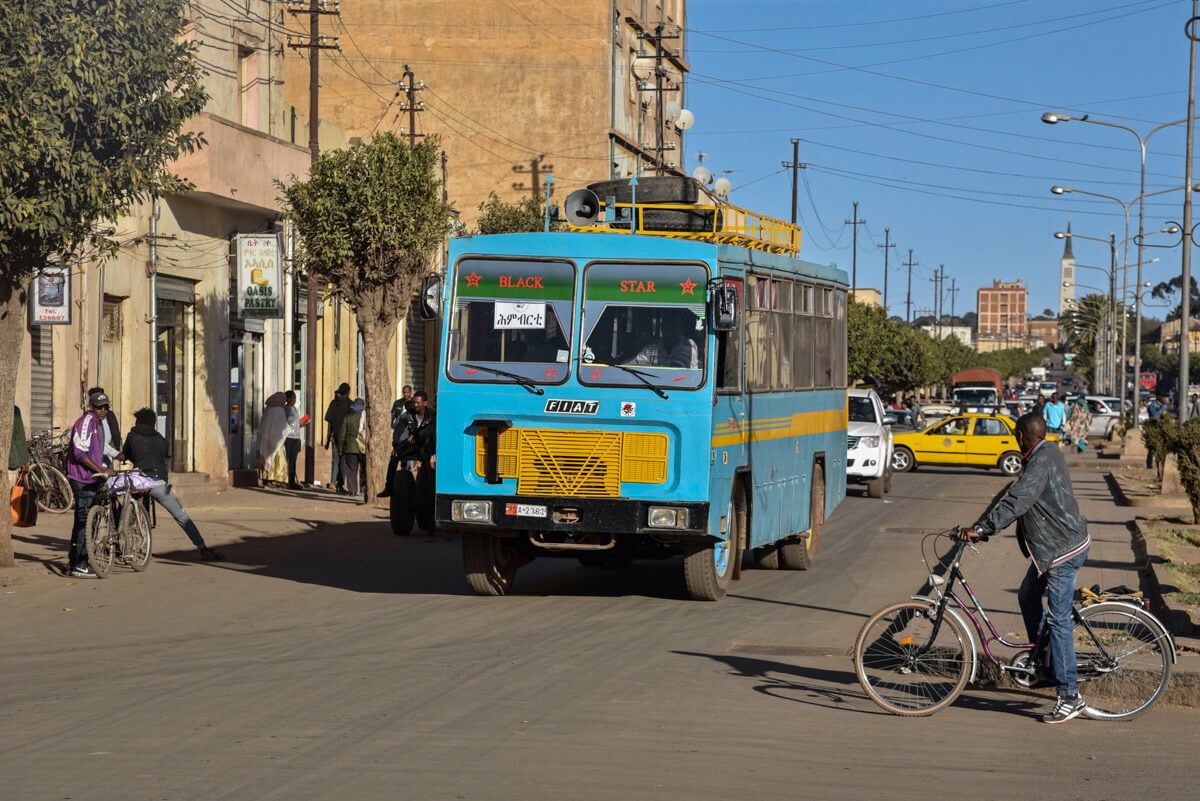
970 440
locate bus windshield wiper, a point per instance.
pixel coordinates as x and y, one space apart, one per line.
640 375
520 379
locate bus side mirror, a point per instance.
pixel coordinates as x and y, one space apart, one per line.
431 297
724 307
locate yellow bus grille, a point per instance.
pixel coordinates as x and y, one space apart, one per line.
581 464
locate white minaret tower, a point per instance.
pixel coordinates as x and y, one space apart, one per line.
1066 275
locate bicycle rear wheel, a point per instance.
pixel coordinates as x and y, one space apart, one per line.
54 493
98 536
135 535
901 670
1129 675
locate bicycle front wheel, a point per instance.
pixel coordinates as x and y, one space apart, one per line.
1124 656
54 493
904 667
135 535
101 544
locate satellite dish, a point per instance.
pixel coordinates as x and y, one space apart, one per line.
671 112
722 187
643 67
703 175
685 120
582 207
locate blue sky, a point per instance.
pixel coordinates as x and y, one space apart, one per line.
953 119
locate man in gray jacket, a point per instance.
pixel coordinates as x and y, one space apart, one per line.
1053 536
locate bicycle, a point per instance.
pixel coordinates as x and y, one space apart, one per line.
915 657
44 475
118 528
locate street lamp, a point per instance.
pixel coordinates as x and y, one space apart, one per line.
1112 300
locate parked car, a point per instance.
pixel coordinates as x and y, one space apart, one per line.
869 442
1105 415
932 412
971 440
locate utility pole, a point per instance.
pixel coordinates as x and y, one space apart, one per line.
795 166
1185 286
854 251
908 298
445 191
411 86
314 44
537 165
939 275
953 292
887 245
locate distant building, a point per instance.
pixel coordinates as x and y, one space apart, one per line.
868 297
962 333
1169 336
1066 276
1002 309
1043 333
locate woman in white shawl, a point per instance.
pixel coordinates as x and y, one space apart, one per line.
272 430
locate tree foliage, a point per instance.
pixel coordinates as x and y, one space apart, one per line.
526 215
93 97
369 220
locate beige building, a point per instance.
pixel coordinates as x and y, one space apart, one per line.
868 297
1043 333
1169 336
514 90
157 325
962 333
1002 309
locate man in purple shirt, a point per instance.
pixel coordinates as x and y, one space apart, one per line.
86 472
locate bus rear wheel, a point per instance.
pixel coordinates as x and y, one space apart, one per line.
708 568
490 563
798 553
767 557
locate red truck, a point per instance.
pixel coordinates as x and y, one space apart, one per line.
977 389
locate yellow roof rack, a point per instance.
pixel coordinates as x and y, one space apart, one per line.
710 223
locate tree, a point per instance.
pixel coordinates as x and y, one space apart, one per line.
1169 291
370 219
93 96
526 215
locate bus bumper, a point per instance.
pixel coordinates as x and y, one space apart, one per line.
579 515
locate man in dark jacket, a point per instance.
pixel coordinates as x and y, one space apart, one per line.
1053 535
335 413
147 449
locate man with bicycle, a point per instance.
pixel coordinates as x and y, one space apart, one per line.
1053 535
86 472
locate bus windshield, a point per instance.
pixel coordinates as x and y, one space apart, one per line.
644 323
514 315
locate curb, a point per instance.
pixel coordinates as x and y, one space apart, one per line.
1156 501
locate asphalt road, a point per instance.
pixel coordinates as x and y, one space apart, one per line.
342 663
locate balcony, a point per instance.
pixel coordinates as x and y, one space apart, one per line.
238 166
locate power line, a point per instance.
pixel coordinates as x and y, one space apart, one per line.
864 23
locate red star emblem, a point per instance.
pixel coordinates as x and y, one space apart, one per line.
551 373
473 279
596 373
688 287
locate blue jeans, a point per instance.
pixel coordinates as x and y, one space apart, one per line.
85 494
1058 586
166 499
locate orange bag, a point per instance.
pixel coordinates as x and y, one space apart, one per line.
23 501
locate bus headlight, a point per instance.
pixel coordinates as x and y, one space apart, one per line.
667 517
471 511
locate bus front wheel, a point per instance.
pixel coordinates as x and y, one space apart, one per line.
490 563
708 568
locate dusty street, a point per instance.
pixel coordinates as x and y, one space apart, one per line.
340 662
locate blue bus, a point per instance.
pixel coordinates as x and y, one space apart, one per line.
616 396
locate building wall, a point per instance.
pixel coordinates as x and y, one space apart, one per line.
868 297
1002 310
1043 332
505 82
1066 294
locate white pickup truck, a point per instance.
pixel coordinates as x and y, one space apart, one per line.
869 442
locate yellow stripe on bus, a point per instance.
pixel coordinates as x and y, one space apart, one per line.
823 421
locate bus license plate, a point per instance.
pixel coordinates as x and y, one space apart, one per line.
524 510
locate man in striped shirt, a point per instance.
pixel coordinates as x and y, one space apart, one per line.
1053 535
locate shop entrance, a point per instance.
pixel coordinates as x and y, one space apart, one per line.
173 383
245 397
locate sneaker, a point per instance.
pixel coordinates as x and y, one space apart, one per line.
209 555
1065 709
81 571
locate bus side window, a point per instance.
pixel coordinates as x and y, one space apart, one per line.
782 337
802 361
824 341
839 339
729 348
758 358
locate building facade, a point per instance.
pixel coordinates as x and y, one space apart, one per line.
962 333
158 324
513 90
868 297
1001 310
1043 333
1169 336
1066 277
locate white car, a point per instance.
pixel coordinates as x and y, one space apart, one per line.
869 442
1106 412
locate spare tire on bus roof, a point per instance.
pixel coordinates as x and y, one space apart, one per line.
690 220
650 189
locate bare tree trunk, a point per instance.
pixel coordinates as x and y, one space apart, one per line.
12 336
377 337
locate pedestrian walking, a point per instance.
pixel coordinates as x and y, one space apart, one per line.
1154 410
402 409
349 444
86 473
294 437
272 431
1194 406
334 414
147 450
1079 423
